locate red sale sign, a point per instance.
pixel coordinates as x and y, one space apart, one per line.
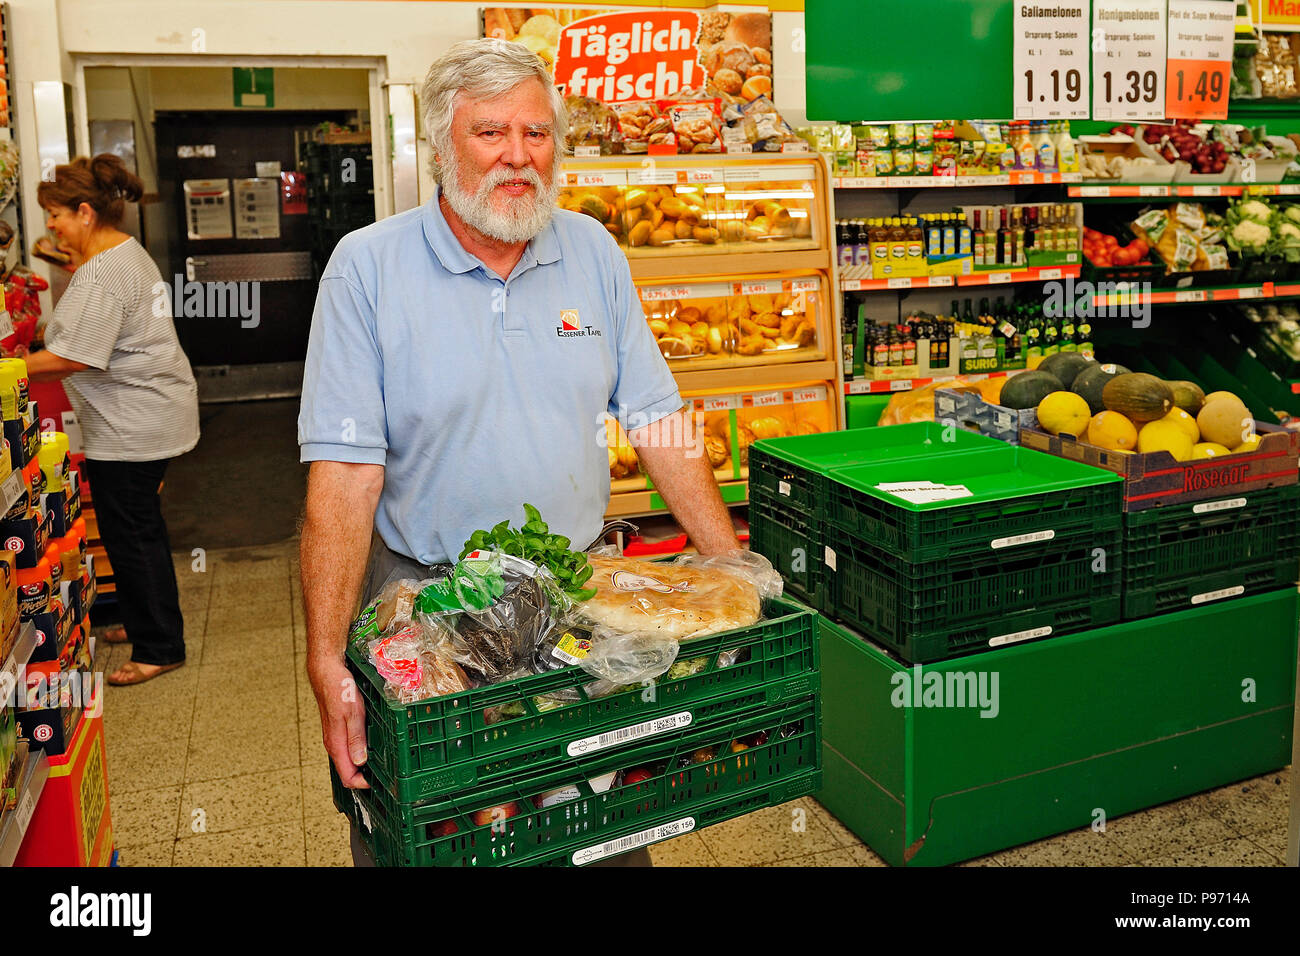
619 57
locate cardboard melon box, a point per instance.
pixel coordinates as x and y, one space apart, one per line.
1157 479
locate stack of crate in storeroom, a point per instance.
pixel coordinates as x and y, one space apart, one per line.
340 192
545 770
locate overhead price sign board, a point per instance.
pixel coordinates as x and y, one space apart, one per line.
1128 60
1200 58
1276 14
1050 45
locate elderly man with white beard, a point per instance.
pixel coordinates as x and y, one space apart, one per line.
462 357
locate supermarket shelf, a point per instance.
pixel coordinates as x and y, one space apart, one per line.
1181 190
743 378
1037 274
730 263
867 387
1234 293
19 656
31 781
631 504
949 182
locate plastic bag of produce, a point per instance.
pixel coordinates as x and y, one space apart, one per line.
407 660
392 606
491 613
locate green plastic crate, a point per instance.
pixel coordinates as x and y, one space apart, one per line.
681 796
1181 557
962 604
450 743
792 467
1015 491
791 542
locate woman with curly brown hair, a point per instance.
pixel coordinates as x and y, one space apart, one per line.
112 340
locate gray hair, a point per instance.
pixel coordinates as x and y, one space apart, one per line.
482 69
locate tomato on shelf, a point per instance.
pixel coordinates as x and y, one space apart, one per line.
1105 251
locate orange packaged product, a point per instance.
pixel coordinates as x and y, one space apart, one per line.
79 526
70 547
35 590
642 126
54 558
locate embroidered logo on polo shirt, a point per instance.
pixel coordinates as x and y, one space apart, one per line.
570 325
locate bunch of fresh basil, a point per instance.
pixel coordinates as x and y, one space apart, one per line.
535 543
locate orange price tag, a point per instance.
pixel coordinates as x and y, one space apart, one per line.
1197 89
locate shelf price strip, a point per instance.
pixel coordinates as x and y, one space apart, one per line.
1200 58
1050 53
1128 60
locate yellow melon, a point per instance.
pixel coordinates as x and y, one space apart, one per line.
1112 431
1165 436
1225 421
1064 413
1209 449
1184 421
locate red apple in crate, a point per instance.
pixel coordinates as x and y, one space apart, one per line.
636 775
482 818
443 828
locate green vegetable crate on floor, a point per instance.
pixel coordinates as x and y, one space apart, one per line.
955 760
570 814
984 544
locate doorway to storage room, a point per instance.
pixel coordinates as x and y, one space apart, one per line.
251 176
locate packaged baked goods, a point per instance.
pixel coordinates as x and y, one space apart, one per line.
696 123
591 123
641 125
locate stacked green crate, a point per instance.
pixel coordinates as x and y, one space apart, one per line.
507 745
340 193
1028 546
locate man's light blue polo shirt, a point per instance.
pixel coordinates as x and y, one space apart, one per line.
478 395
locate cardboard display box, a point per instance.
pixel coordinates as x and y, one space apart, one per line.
72 825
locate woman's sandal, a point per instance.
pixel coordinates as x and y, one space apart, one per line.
116 635
131 673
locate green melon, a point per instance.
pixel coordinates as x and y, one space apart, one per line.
1188 396
1089 383
1065 366
1139 397
1027 389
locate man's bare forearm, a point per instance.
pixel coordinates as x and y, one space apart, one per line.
673 456
341 501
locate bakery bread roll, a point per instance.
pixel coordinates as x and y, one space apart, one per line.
751 29
667 599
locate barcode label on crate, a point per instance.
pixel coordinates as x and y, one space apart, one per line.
1028 635
1017 539
829 558
613 738
1218 595
665 831
783 487
1227 504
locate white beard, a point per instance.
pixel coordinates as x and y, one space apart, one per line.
523 218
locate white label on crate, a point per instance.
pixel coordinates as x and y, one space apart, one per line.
1002 420
365 815
1018 636
665 831
562 795
829 558
1225 505
923 492
1218 595
1018 539
783 487
613 738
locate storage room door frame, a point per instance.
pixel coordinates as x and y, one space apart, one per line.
204 346
272 275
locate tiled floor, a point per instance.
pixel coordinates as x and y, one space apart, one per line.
221 763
